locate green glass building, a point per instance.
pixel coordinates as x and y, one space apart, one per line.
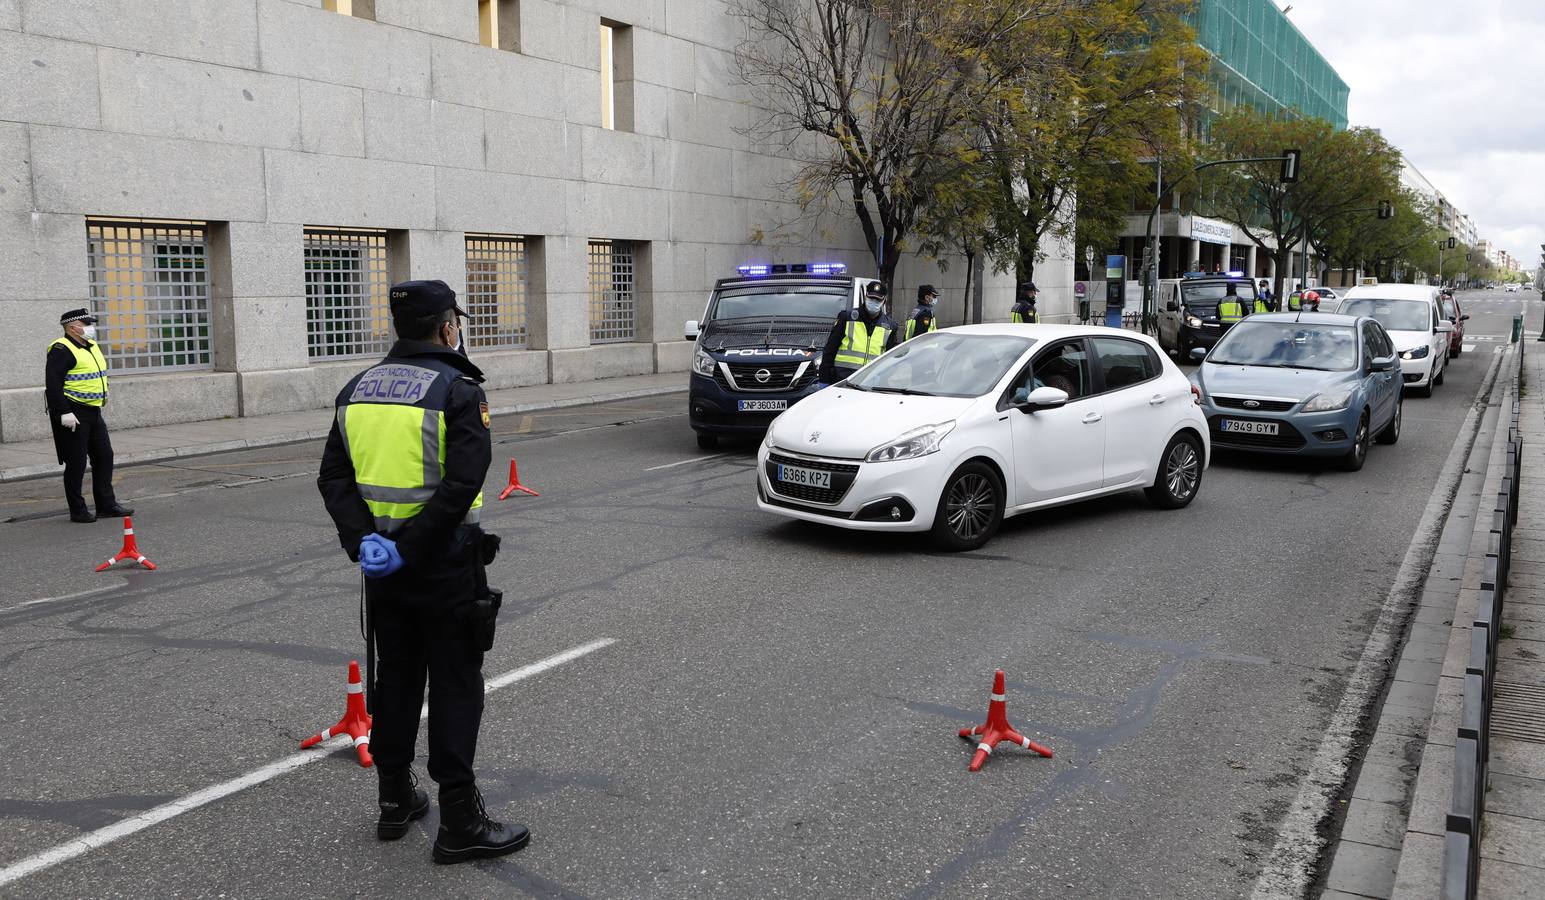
1259 57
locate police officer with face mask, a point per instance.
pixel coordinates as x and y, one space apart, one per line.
1023 311
859 336
75 389
922 320
402 478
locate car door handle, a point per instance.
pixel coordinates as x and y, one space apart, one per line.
1091 418
1156 400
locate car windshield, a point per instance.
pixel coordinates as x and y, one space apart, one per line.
1210 294
1288 345
780 301
943 364
1394 315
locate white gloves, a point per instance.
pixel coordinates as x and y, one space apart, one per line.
69 421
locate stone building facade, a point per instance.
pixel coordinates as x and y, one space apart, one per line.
233 183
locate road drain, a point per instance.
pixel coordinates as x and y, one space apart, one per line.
1518 712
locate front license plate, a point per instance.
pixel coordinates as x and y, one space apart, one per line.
1237 427
763 405
807 477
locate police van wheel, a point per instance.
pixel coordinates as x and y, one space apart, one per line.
970 508
1179 475
707 441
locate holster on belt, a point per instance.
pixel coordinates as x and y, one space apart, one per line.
483 612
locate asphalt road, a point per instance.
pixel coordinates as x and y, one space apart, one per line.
777 714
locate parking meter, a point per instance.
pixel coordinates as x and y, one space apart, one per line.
1115 289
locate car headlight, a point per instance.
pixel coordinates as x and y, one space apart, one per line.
917 442
1193 321
1329 401
702 363
1418 353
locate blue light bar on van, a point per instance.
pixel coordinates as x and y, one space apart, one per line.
828 268
757 270
1233 273
753 270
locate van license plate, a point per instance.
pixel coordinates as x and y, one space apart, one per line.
807 477
763 405
1237 427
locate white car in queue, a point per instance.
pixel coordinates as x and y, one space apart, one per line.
1412 316
956 429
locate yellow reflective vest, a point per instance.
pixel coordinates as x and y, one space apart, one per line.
933 322
861 344
86 382
1231 311
392 421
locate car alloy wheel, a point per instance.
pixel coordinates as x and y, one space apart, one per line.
1356 456
1391 432
1182 469
970 507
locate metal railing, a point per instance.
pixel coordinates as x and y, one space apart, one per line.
1462 824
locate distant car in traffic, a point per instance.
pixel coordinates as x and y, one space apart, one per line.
1309 384
1512 289
1328 298
957 429
1449 308
1411 314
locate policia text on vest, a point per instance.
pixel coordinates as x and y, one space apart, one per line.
75 391
404 466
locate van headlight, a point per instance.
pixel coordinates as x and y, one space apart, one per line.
1330 401
1417 353
1193 321
702 363
917 442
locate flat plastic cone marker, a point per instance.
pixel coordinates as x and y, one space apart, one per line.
515 484
355 722
130 549
997 728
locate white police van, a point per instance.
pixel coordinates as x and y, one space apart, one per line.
759 343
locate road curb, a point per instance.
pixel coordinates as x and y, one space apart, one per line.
1297 857
144 457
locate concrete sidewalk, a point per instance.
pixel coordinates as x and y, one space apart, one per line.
36 459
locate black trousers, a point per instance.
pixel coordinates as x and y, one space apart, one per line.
418 638
89 440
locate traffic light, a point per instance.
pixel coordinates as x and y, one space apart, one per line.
1451 243
1386 209
1290 160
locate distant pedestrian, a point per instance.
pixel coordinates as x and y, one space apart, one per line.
75 390
1023 312
922 320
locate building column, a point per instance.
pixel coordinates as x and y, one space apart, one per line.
1194 261
1250 260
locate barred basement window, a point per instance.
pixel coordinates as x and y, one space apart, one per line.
348 313
611 292
496 290
150 286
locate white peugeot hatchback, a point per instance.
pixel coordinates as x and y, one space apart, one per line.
956 429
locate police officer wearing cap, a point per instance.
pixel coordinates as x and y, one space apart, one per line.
402 477
859 336
1023 311
75 390
922 320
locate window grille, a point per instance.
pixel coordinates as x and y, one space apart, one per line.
611 292
150 286
348 314
496 291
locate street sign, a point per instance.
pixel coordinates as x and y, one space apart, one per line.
1079 289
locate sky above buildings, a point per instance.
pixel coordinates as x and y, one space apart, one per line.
1459 87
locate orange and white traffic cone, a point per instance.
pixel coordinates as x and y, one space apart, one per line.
130 549
997 728
355 722
515 484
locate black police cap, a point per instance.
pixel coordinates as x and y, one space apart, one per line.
1028 286
78 315
926 290
421 299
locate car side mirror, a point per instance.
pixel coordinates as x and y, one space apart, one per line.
1172 306
1382 364
691 330
1445 327
1463 317
1198 354
1041 398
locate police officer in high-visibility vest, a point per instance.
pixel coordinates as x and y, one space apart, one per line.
1295 301
75 389
1260 305
402 477
922 320
1023 311
1230 309
859 336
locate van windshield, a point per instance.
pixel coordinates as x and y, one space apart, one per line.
1394 315
780 301
1211 294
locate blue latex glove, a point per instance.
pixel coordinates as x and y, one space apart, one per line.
378 556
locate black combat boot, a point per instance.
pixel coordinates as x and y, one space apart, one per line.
466 832
401 803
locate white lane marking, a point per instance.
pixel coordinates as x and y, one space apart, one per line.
125 827
1288 870
1497 350
1468 347
74 596
686 462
